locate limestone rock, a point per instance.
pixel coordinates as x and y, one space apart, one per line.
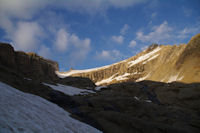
164 63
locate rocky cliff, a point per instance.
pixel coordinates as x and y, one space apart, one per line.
28 64
165 63
34 67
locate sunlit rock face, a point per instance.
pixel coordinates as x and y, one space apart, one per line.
165 63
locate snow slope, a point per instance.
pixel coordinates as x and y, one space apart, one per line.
69 90
22 112
144 57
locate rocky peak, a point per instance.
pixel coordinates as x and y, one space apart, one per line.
151 47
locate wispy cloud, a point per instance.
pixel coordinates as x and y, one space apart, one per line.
62 40
132 44
26 8
109 55
45 51
118 39
187 31
26 36
158 34
124 29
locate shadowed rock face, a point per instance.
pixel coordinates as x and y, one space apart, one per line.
32 66
165 63
28 64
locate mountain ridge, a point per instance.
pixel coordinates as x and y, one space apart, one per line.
164 63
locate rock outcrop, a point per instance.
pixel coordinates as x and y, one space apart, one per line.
165 63
28 64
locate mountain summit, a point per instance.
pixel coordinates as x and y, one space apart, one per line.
164 63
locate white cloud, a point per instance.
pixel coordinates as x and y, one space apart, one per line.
157 35
132 44
81 48
26 8
109 55
95 6
117 39
45 52
19 9
62 39
77 48
124 29
26 36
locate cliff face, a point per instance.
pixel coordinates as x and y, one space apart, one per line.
28 64
165 63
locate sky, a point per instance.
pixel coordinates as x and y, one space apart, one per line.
83 34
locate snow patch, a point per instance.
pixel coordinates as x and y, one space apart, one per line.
27 113
153 57
143 78
143 57
180 78
98 88
175 78
122 77
28 79
108 80
69 90
148 101
136 98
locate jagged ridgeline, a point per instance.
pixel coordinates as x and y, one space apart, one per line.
164 63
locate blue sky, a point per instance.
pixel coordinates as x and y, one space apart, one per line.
91 33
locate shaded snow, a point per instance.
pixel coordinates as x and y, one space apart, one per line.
23 112
28 79
143 57
148 101
98 88
136 98
69 90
